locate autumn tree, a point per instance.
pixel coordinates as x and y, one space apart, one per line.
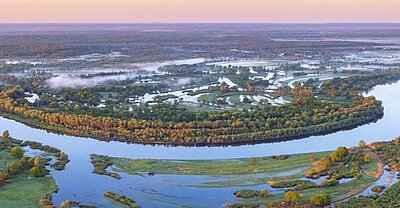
224 87
37 172
37 162
339 154
367 158
320 200
326 161
63 156
3 178
6 134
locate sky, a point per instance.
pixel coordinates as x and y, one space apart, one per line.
199 11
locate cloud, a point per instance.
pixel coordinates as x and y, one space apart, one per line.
183 81
73 81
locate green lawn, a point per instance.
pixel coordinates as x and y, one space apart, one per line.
24 192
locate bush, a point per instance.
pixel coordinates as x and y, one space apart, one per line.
357 176
37 161
367 158
14 168
339 154
37 172
292 197
326 161
374 196
298 184
63 156
6 134
280 157
251 193
331 182
242 205
378 189
17 152
320 200
26 162
3 178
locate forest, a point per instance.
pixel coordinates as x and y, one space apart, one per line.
301 118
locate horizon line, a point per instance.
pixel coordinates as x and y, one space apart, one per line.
199 23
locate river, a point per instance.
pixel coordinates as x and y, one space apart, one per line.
77 182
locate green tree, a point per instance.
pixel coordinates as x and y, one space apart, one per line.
326 161
339 154
367 158
14 168
358 176
37 172
361 143
17 152
292 197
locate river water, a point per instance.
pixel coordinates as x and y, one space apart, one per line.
77 182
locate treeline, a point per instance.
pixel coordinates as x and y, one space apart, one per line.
302 117
346 87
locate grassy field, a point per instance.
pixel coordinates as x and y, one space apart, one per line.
253 171
226 173
268 165
22 190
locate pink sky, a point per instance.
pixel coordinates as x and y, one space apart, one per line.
198 11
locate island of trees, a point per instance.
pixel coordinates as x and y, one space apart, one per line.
312 111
